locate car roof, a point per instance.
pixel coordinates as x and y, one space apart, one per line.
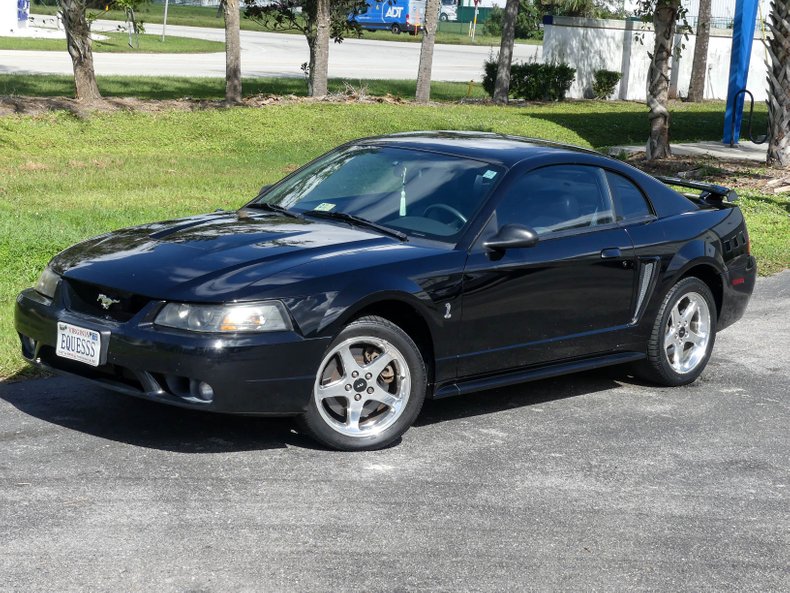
507 150
496 148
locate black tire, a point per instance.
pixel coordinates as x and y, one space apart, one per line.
657 368
395 28
443 18
319 423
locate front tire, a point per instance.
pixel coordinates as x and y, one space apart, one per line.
369 387
683 335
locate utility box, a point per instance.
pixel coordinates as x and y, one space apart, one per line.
466 14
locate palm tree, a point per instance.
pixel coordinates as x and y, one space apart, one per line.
423 93
78 42
502 84
665 15
232 52
779 85
700 65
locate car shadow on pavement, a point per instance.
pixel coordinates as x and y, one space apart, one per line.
95 411
105 414
524 394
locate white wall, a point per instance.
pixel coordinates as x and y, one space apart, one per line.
592 44
7 16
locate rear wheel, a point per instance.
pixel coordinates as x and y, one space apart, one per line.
369 387
683 335
395 28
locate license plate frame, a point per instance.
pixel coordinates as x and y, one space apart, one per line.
78 343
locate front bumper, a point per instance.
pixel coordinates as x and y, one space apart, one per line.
262 374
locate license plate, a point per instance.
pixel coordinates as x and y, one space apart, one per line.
78 343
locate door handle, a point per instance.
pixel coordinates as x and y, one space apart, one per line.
610 253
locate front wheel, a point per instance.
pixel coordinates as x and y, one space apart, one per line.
683 335
369 387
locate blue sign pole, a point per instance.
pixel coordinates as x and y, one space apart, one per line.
742 37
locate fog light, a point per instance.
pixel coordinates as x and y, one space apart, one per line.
202 390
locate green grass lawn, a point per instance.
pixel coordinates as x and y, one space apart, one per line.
158 87
205 16
119 42
64 178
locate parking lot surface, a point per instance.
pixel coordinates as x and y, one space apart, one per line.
593 482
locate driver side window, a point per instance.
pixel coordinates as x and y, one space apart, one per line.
558 198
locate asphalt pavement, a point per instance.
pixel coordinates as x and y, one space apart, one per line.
593 482
272 54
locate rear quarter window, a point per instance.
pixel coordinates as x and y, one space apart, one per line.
629 201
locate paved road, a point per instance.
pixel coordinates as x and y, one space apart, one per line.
592 482
272 54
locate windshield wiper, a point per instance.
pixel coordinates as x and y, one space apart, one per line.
357 220
273 208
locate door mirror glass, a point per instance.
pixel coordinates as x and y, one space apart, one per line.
512 236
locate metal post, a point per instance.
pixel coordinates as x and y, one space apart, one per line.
164 22
741 53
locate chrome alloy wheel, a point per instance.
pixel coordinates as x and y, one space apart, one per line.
362 386
687 333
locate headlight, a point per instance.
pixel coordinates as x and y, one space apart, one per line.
248 317
47 283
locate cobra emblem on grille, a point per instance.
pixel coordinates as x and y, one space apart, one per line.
106 301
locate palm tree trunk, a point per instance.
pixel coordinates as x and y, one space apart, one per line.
700 65
78 41
232 52
431 18
664 18
319 51
779 85
502 84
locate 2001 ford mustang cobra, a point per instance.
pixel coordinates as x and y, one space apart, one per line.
394 269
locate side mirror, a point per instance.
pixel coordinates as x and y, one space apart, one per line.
512 236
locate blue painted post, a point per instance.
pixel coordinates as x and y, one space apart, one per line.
742 36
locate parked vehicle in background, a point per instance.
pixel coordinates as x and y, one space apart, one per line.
396 15
448 10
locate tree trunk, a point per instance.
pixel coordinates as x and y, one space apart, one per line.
664 18
700 66
502 84
779 85
319 51
78 41
430 20
232 52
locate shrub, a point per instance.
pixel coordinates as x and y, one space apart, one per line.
527 22
604 83
489 74
532 81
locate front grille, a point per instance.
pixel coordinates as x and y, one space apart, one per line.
85 298
111 374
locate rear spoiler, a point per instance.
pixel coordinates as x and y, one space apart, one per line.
709 191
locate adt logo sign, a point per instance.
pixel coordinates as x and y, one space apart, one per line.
394 12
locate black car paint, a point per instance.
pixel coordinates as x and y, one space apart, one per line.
580 310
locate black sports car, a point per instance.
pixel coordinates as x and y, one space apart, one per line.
398 268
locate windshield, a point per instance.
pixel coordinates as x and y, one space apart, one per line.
421 194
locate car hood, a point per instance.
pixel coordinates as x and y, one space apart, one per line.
208 257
